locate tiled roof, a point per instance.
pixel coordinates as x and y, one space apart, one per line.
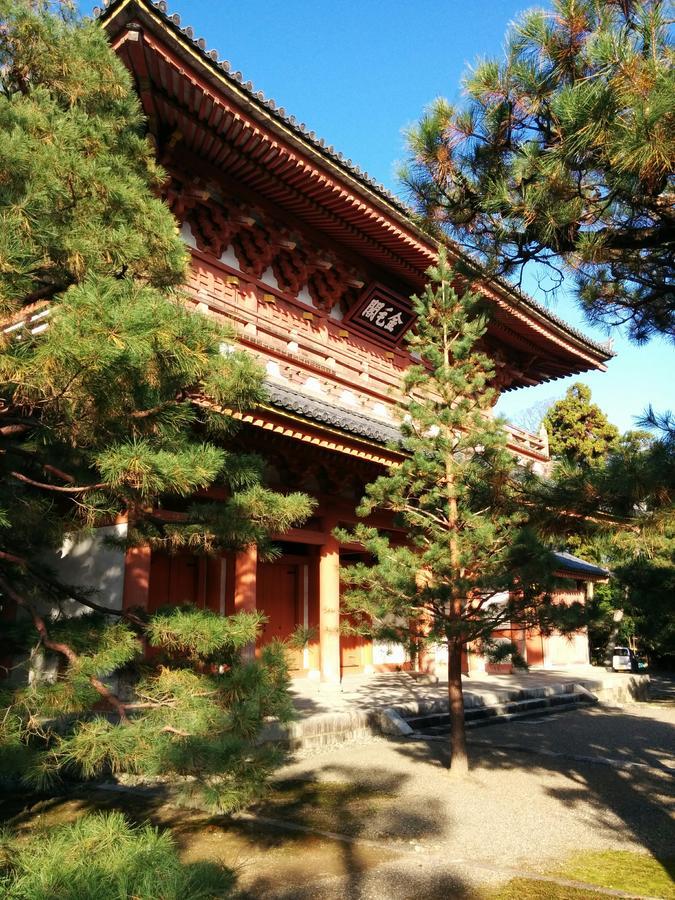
605 348
579 566
211 58
319 410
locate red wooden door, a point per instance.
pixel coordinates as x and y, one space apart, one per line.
174 580
351 647
278 597
534 648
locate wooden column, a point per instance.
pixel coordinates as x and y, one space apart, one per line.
329 608
137 577
245 571
245 580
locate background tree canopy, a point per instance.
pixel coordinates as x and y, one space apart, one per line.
578 430
563 154
617 509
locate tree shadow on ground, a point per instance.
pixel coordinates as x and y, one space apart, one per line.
319 837
360 821
633 793
369 832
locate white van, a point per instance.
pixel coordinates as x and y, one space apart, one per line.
622 659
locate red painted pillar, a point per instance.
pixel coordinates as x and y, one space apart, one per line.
245 579
137 577
329 609
245 571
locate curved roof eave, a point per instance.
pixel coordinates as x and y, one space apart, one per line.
267 111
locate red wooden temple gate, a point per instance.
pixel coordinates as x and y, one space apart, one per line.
313 263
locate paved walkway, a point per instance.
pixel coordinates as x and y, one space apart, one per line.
396 689
662 686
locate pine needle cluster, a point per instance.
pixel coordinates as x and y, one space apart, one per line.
195 709
101 856
116 404
564 154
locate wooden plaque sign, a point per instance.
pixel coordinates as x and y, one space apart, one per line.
380 313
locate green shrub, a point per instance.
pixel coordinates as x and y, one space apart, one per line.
102 857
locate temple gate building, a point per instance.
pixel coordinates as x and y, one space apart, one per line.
312 262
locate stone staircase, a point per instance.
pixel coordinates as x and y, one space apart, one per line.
438 723
426 718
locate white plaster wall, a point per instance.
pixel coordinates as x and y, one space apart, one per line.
228 257
186 234
392 654
89 563
566 650
268 277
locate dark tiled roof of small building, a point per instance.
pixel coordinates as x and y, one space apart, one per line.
326 412
579 566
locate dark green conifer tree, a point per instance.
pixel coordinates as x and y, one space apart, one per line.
114 402
563 154
470 564
620 513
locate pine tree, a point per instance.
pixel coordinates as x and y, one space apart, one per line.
462 500
578 430
639 483
563 154
133 861
116 401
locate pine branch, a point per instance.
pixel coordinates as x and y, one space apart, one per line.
64 476
153 410
10 557
9 430
46 467
63 648
47 291
59 489
169 729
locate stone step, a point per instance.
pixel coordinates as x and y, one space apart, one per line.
483 706
439 723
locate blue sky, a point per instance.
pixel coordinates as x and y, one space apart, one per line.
357 73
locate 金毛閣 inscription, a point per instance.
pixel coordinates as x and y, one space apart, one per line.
380 312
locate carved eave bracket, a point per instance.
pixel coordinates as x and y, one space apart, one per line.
259 243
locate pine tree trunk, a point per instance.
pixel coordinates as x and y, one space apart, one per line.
459 761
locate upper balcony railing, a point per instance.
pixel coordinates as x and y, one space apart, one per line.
301 347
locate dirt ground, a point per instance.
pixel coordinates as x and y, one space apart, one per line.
383 819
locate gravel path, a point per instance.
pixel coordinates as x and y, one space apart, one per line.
640 734
515 811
